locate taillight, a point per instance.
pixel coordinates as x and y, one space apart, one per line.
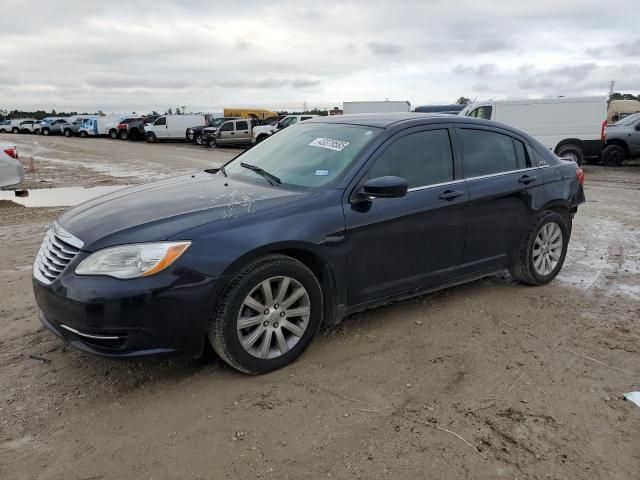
12 152
580 176
603 131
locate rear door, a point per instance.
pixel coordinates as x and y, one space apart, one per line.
399 244
243 132
504 192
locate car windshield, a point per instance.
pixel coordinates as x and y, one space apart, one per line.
216 122
305 155
630 120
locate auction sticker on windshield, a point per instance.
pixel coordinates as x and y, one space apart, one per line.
329 143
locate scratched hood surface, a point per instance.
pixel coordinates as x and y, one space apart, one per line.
159 210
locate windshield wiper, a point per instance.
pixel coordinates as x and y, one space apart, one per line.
271 178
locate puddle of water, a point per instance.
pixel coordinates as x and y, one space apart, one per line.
59 197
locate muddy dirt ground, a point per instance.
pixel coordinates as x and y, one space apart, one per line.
488 380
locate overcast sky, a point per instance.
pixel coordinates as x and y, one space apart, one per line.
143 55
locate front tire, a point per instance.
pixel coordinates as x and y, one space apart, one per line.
45 132
267 315
212 143
67 133
613 155
542 253
113 134
572 152
151 137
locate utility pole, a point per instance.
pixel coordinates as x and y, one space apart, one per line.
611 85
304 106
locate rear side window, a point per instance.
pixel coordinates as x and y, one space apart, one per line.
482 112
242 125
487 152
422 158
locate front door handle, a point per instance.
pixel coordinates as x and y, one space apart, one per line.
450 195
526 179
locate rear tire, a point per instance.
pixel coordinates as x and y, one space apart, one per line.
613 155
541 255
15 130
67 133
572 152
113 134
45 132
280 336
123 135
83 134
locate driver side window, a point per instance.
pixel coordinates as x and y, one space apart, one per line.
227 127
161 121
422 158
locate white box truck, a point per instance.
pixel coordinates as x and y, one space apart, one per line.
172 127
100 125
572 127
388 106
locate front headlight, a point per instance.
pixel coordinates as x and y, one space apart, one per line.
132 261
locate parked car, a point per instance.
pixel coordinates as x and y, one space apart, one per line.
232 132
571 127
26 126
327 218
59 126
135 129
6 126
100 125
198 135
37 126
122 129
11 170
622 140
264 131
172 127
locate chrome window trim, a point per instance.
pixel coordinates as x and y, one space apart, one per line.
490 175
434 185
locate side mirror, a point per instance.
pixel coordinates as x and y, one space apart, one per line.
385 187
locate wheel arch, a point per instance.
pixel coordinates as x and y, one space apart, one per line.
620 142
568 141
308 255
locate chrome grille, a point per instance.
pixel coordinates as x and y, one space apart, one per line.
56 252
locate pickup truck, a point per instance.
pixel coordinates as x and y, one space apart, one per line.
231 132
262 132
622 141
198 135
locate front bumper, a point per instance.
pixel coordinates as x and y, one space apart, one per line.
159 316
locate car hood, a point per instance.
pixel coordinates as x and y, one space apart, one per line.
160 210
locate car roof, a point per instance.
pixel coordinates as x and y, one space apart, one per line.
387 120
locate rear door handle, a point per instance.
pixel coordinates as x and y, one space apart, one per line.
527 179
450 195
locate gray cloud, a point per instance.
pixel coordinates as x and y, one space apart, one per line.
280 54
385 48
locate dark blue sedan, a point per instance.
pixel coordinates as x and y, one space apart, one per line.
324 219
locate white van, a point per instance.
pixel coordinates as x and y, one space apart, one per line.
572 127
100 125
172 127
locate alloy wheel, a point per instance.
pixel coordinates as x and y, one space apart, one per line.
547 248
273 317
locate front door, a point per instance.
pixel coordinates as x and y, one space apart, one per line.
399 244
226 133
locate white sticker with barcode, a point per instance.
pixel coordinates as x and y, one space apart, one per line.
329 143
